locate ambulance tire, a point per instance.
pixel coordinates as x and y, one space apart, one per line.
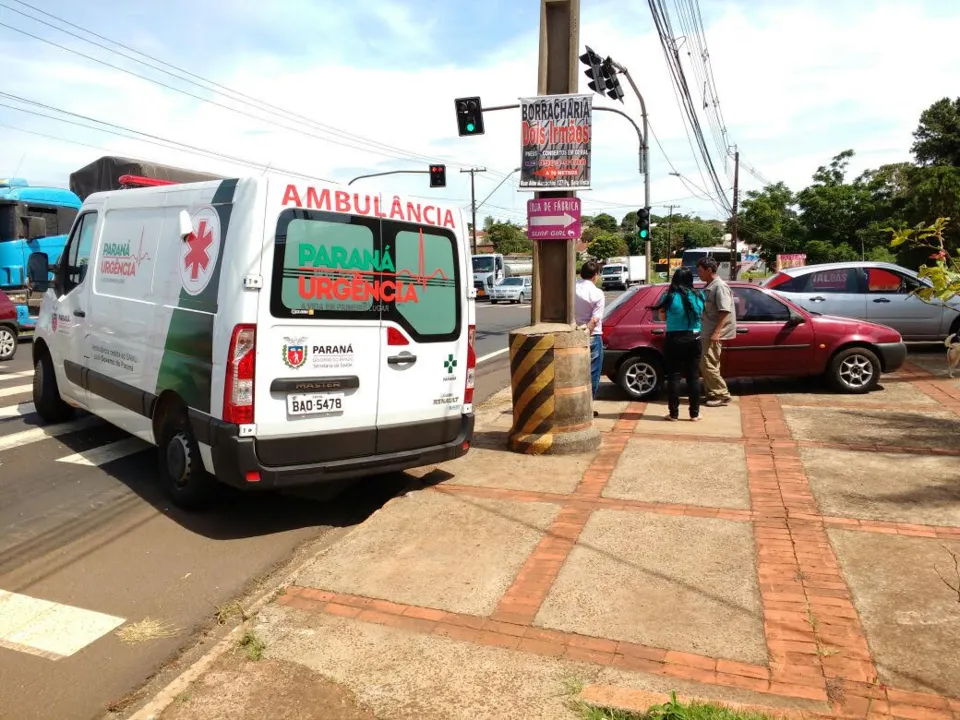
46 395
182 474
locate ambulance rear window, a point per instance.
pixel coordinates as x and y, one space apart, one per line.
341 267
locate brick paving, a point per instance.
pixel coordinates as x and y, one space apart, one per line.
817 647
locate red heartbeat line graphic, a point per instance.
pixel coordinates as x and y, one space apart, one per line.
418 278
138 258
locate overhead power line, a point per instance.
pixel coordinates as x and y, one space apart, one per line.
208 85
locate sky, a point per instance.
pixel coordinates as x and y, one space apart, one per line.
335 90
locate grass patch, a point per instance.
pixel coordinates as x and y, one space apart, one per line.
671 710
146 629
253 644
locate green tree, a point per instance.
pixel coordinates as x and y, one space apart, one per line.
508 237
769 218
629 222
832 209
607 223
607 244
937 137
488 222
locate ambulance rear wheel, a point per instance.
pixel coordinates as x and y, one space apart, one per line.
182 474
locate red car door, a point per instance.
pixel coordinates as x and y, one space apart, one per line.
769 343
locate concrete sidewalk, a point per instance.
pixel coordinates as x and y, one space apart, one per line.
785 552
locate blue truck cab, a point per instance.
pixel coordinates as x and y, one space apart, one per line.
32 219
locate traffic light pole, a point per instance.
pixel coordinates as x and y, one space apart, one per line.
391 172
644 157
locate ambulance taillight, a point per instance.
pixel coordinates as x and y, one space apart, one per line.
241 371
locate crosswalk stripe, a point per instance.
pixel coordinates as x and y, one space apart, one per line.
49 629
107 453
12 411
26 437
15 390
12 375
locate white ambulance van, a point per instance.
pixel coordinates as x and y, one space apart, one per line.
264 332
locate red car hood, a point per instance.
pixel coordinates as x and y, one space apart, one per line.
834 324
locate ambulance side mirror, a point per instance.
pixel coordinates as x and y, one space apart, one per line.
186 225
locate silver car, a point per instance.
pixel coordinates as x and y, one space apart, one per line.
874 291
513 289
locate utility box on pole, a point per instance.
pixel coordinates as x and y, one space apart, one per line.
550 359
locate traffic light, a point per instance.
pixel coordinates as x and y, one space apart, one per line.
595 72
469 116
643 224
438 176
610 80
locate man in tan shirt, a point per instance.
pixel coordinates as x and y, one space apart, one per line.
719 323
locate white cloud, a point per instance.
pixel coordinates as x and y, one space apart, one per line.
797 85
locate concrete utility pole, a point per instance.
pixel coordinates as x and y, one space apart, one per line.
734 228
550 360
473 203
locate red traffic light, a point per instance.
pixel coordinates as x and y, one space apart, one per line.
438 176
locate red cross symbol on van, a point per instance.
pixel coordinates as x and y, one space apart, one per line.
198 257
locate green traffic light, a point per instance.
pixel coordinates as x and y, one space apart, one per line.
643 233
471 127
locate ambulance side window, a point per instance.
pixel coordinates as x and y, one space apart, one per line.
78 254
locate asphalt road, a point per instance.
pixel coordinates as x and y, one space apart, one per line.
91 542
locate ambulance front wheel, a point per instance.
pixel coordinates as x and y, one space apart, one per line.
182 473
46 395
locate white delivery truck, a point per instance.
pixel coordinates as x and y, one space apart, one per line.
488 270
264 332
622 272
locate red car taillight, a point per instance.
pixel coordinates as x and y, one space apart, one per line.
471 365
241 371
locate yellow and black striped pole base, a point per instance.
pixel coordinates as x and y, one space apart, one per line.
552 398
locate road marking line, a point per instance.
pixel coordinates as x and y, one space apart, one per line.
107 453
12 411
16 390
8 442
49 629
21 374
491 356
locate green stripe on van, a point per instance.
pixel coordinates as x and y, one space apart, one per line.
187 364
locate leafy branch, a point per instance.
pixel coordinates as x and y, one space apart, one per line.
944 274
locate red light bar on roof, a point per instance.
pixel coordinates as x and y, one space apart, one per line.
138 181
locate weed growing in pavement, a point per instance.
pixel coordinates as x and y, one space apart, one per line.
225 612
673 709
253 644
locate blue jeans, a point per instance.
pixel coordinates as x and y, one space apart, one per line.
596 361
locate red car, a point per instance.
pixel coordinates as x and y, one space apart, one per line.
775 338
9 328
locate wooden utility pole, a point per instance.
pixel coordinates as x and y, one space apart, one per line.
550 359
473 203
734 226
